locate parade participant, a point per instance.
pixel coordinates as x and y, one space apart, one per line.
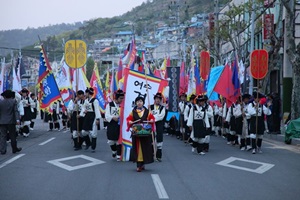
187 109
276 112
141 152
9 118
241 114
54 117
231 120
182 106
198 124
26 118
112 116
76 119
91 113
210 115
218 118
64 116
257 126
173 125
20 107
159 113
34 110
225 124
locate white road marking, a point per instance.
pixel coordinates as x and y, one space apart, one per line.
43 143
58 162
260 170
160 189
11 160
281 145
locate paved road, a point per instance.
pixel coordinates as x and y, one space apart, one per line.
223 173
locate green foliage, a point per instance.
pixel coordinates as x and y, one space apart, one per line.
89 67
18 38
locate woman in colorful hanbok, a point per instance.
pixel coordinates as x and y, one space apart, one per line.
141 121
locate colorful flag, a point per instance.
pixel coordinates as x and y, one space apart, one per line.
199 86
113 86
235 80
225 87
163 69
63 80
168 64
107 80
125 58
48 90
213 78
120 70
132 55
96 84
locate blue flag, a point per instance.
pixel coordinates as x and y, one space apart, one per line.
100 97
48 90
235 79
213 78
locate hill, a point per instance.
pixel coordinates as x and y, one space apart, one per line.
145 18
18 38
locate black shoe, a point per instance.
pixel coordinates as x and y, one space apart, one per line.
17 150
77 148
3 152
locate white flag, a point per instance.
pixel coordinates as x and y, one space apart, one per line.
16 86
82 82
241 72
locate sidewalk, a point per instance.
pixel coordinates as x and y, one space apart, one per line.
278 140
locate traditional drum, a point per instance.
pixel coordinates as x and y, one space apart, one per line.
141 130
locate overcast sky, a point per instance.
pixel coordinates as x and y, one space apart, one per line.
20 14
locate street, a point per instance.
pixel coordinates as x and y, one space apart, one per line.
48 168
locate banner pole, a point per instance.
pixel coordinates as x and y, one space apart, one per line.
149 107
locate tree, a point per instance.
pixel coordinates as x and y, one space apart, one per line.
231 30
89 67
293 50
139 28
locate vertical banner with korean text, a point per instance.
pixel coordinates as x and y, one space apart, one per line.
135 85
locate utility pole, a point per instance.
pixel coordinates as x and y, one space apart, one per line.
253 16
216 39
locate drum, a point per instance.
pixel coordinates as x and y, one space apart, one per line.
141 130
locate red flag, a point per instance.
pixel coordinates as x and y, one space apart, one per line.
182 80
225 87
120 70
168 62
132 55
204 64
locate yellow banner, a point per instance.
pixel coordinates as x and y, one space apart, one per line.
75 53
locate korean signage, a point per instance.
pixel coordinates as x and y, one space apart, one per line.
268 26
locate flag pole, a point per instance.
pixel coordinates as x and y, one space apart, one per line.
48 64
77 110
152 132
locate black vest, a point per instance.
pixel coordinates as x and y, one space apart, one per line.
137 117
